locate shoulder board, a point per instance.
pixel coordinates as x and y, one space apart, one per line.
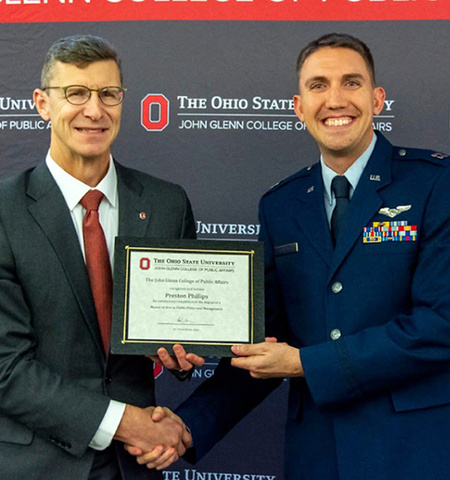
438 158
305 172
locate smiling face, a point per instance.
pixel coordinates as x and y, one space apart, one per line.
337 102
80 134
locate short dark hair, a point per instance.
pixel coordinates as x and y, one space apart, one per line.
79 50
338 40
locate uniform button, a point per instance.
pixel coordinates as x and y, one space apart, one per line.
337 287
108 380
402 152
335 334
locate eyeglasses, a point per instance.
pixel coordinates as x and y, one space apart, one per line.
79 94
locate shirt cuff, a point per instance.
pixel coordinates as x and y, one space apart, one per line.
105 432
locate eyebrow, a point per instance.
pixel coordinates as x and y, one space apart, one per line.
350 76
321 78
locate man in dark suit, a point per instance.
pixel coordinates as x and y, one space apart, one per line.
66 404
357 259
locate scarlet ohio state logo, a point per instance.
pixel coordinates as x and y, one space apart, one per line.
155 112
144 263
157 370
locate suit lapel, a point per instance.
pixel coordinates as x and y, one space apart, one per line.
313 220
50 211
366 200
134 210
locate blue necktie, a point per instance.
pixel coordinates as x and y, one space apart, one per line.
340 186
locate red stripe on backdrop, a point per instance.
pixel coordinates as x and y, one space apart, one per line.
20 11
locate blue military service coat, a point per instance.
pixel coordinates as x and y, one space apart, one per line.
371 318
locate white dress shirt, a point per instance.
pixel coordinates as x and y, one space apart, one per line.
353 174
73 191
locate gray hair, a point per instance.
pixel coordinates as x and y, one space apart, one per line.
78 50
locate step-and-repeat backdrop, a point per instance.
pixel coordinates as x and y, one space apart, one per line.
208 106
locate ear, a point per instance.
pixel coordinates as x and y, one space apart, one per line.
379 95
298 107
41 101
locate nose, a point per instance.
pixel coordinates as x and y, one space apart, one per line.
336 97
93 108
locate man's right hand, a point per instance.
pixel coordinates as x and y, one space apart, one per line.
167 434
161 457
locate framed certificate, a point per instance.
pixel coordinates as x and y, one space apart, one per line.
205 295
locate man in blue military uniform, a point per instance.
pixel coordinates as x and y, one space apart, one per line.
357 293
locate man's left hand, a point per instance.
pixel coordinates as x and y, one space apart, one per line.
180 361
268 359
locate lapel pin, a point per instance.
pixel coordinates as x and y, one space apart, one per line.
375 178
310 189
142 215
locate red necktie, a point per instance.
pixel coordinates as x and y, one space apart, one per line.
98 263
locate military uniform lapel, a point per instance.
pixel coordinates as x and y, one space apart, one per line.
50 211
365 201
313 220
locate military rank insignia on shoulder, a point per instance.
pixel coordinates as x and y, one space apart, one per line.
432 156
302 173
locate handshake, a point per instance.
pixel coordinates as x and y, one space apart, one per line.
154 435
158 437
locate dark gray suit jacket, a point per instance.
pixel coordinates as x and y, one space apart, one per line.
55 382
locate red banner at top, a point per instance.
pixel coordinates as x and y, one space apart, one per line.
20 11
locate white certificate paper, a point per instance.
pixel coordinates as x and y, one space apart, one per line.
188 294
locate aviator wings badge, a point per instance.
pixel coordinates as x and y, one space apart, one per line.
393 212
